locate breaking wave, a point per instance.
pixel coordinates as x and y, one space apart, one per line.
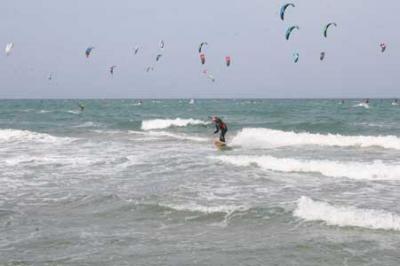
192 207
160 134
267 138
342 216
376 170
176 136
88 124
74 112
15 135
166 123
364 105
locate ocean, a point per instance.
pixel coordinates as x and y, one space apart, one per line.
306 182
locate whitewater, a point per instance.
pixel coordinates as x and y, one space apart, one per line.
304 182
343 216
375 170
266 138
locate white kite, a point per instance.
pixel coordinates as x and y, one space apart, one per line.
9 47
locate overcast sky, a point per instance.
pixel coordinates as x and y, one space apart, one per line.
51 37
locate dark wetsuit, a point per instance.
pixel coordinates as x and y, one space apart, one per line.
220 126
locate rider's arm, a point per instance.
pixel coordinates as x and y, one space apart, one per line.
217 129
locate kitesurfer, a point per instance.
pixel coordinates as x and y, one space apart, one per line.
220 127
227 60
202 59
81 106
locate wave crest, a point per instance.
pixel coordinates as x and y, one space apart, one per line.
355 170
15 135
267 138
192 207
342 216
166 123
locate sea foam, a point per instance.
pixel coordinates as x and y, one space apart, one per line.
176 136
164 134
342 216
267 138
376 170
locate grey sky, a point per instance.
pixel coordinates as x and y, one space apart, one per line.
52 35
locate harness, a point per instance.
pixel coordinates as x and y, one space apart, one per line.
221 125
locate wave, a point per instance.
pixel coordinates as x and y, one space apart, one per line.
364 105
166 123
342 216
268 138
176 136
51 159
118 163
15 135
44 111
376 170
27 110
193 207
379 125
159 134
93 201
74 112
88 124
153 135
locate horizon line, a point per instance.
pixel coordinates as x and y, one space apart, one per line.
204 98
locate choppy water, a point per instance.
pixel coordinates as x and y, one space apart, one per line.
306 183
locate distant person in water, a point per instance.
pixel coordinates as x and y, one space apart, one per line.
81 106
220 127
